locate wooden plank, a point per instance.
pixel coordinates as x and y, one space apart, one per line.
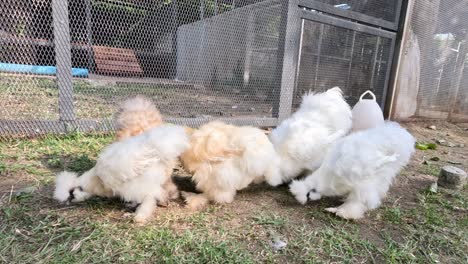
116 53
117 56
116 61
106 64
113 50
113 56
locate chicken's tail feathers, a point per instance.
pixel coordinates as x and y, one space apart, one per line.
64 183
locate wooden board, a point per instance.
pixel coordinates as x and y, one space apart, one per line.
116 61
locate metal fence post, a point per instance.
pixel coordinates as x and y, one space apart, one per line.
287 58
63 60
249 47
458 74
175 26
89 34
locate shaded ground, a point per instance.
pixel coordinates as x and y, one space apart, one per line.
29 98
413 226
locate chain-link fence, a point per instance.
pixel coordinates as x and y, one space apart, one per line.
65 65
433 77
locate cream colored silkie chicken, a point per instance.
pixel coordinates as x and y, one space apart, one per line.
134 169
135 116
224 159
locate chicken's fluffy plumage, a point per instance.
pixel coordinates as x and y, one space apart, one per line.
225 158
360 166
303 139
137 169
135 116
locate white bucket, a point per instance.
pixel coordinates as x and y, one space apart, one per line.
367 113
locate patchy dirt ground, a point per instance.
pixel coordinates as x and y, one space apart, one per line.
414 225
31 98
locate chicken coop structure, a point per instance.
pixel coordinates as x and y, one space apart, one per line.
431 80
65 65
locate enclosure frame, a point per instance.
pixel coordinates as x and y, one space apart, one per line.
355 15
322 18
293 13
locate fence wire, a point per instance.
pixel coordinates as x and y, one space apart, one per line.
433 82
66 65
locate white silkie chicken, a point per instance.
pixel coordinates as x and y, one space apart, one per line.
361 167
303 139
135 169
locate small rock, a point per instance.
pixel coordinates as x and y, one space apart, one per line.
461 145
433 188
432 127
234 107
278 244
252 109
440 141
456 208
454 162
451 145
452 177
26 190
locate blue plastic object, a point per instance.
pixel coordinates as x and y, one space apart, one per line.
42 70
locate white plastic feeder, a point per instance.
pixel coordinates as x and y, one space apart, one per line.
367 113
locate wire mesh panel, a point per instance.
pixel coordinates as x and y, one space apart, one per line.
65 65
435 50
28 91
460 107
195 59
335 55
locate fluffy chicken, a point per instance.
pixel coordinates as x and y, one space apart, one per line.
303 139
135 169
224 159
361 167
135 116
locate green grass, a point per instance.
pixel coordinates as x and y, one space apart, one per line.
427 228
429 169
272 220
51 238
40 158
36 98
393 215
